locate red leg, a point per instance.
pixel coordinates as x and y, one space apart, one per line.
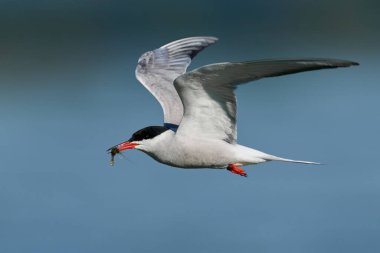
236 170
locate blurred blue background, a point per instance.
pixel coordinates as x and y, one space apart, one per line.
68 92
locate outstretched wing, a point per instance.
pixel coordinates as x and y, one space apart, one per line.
157 69
208 95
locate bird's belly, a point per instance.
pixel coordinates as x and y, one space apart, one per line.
196 154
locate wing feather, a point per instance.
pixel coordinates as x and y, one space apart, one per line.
157 69
208 95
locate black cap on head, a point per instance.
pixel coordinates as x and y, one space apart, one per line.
147 133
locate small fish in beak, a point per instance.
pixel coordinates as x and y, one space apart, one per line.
113 151
118 148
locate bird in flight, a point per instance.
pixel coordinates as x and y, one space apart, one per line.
199 106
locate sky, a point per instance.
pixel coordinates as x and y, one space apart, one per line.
68 93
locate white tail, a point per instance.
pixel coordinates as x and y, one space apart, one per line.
275 158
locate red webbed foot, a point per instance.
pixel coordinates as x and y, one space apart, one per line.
236 170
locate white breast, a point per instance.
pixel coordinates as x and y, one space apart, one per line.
186 152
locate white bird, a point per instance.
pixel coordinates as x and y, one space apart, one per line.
199 106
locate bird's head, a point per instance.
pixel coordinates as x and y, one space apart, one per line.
142 140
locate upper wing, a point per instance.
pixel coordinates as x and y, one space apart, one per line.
157 69
208 96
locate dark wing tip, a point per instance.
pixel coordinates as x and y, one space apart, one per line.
211 39
345 63
205 42
190 46
331 62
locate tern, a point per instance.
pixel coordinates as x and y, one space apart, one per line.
199 106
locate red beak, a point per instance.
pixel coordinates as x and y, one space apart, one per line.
122 146
126 145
